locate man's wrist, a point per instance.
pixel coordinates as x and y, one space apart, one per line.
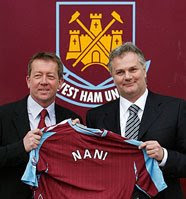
164 160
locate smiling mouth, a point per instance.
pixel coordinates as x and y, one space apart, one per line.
129 85
43 90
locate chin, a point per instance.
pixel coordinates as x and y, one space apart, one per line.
130 91
43 98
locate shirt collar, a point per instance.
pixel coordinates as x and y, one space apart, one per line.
37 108
140 102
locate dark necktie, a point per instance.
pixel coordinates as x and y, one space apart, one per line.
133 123
42 119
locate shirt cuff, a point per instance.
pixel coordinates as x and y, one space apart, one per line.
164 160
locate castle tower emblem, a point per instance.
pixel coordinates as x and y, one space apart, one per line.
94 46
95 26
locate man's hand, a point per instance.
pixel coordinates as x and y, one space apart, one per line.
75 121
32 139
153 149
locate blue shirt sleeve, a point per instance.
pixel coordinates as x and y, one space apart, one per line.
30 176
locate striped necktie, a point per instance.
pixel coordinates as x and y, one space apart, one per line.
133 123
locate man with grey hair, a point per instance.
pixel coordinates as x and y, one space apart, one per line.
159 121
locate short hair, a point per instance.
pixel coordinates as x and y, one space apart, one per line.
47 56
126 48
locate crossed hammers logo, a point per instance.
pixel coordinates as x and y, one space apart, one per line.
95 40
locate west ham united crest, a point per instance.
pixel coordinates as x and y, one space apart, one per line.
86 32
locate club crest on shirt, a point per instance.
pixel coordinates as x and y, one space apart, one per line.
34 161
86 32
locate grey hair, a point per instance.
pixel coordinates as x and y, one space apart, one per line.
124 49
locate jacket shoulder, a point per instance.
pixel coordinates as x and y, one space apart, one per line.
63 113
164 98
10 107
109 106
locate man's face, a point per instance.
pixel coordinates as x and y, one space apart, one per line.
129 76
44 81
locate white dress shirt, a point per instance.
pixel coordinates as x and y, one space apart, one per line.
124 113
34 110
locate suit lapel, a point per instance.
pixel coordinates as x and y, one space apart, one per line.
60 113
151 113
111 119
20 119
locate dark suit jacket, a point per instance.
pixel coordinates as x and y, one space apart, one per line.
14 124
164 120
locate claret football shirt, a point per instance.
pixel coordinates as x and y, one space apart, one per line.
76 162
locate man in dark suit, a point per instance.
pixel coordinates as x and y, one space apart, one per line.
19 121
162 119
